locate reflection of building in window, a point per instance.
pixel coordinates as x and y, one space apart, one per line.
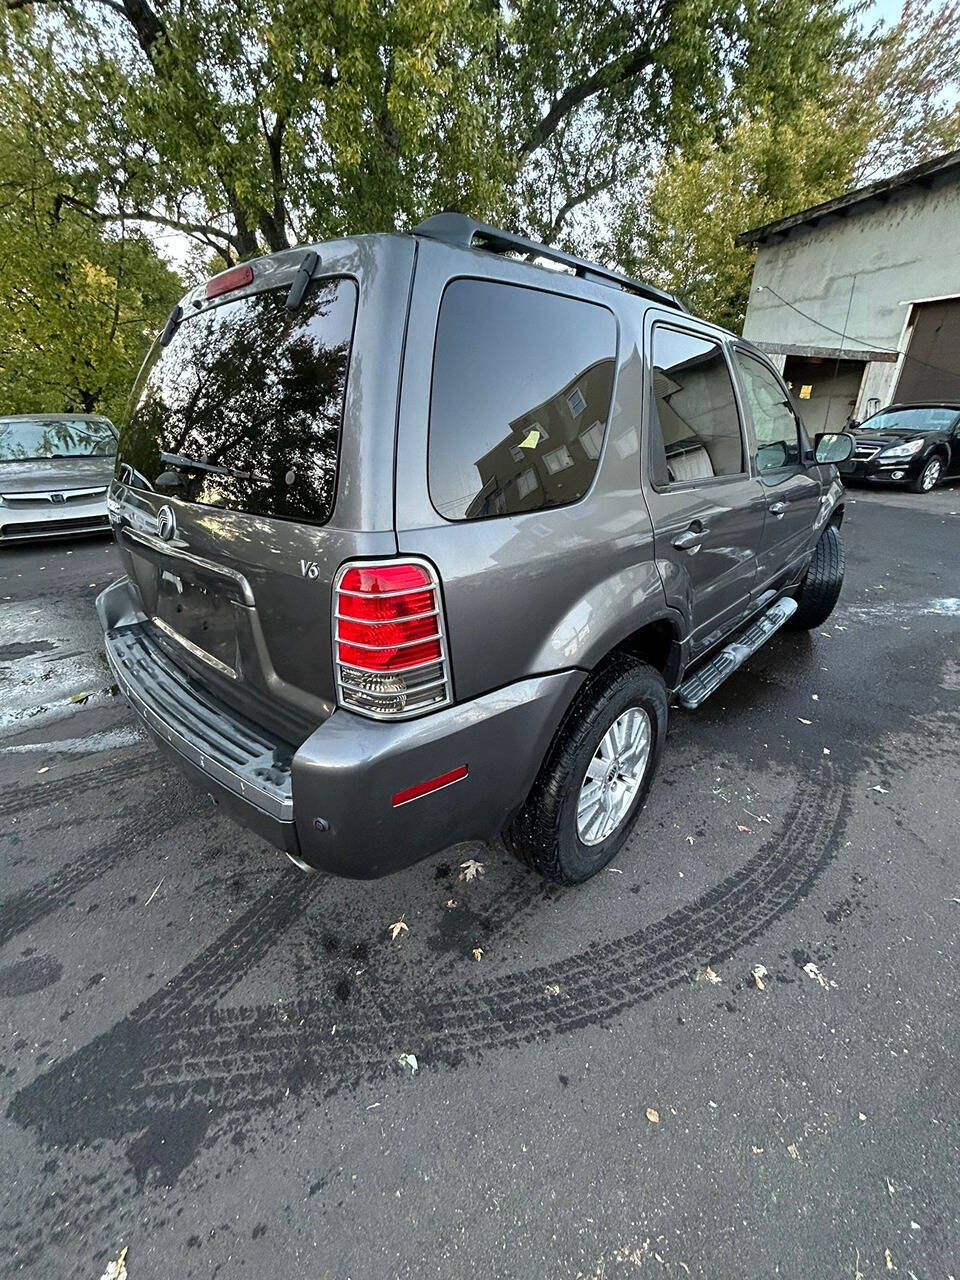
576 402
526 482
524 479
557 460
695 407
592 439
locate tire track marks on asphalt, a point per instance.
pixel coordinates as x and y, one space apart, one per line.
177 1072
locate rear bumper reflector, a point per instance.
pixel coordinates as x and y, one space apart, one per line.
434 784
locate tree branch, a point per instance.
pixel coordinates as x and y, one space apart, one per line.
627 66
202 229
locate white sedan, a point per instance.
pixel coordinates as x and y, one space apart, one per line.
55 469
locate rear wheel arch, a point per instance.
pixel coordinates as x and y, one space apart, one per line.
657 643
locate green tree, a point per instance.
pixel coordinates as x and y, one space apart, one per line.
78 305
892 103
252 124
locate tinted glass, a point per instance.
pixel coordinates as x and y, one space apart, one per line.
522 382
55 438
251 389
695 431
924 419
774 422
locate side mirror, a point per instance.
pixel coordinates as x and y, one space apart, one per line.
832 446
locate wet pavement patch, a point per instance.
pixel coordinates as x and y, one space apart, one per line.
23 977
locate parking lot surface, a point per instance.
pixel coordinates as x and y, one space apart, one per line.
200 1044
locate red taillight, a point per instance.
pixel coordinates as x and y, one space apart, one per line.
389 639
227 281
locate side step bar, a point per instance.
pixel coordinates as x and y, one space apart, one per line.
713 673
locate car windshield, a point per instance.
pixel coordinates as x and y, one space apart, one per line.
924 418
27 441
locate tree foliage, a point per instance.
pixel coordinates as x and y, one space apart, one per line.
77 306
891 104
250 124
649 131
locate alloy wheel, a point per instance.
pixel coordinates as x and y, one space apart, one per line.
613 776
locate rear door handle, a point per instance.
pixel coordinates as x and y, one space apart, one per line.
689 541
778 509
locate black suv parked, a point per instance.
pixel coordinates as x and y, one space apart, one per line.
422 538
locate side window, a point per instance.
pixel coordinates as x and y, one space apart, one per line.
695 427
774 422
522 383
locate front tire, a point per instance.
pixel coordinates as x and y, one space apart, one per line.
820 588
929 477
605 754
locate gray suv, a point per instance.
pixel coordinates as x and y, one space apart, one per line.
423 536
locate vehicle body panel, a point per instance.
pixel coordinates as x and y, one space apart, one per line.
543 590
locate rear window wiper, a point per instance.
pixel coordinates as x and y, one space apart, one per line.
183 463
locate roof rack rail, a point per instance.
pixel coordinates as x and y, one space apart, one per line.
458 229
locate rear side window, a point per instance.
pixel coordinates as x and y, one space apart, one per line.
695 427
243 408
522 383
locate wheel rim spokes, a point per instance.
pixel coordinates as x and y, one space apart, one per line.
614 775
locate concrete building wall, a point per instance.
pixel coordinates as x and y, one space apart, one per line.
873 261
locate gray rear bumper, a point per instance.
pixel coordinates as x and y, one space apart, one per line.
329 803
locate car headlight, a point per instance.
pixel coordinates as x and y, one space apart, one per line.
902 451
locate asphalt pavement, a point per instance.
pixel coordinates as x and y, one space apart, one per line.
200 1044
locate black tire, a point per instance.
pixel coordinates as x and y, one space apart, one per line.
544 833
927 481
820 588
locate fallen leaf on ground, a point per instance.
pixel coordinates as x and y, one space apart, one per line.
552 989
409 1062
399 927
883 790
45 769
470 869
477 954
653 1115
117 1270
689 839
757 1151
451 903
889 1259
708 975
802 721
794 1153
747 830
80 697
758 973
811 970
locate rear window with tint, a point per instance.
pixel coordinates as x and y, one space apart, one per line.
522 383
254 391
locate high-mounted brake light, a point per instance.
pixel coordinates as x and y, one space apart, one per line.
389 647
227 281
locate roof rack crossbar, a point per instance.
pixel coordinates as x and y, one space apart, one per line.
458 229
